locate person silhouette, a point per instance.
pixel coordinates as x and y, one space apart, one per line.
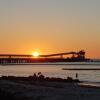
76 75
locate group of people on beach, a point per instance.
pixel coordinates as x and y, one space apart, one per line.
41 76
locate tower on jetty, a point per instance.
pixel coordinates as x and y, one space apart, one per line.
27 59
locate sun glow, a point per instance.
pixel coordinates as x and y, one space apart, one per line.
35 54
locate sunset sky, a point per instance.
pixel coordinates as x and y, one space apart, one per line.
50 26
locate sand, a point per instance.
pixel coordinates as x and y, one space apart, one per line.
47 91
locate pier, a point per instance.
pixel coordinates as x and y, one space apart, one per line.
59 57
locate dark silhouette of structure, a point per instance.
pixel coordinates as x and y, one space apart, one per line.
25 59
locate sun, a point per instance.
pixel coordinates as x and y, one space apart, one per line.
35 54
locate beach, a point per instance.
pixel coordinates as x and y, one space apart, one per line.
44 90
50 84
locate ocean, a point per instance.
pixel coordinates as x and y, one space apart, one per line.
55 70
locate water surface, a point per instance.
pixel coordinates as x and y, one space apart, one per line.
53 71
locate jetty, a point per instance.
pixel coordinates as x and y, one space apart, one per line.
52 58
80 68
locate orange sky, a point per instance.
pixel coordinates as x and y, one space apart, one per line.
50 26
